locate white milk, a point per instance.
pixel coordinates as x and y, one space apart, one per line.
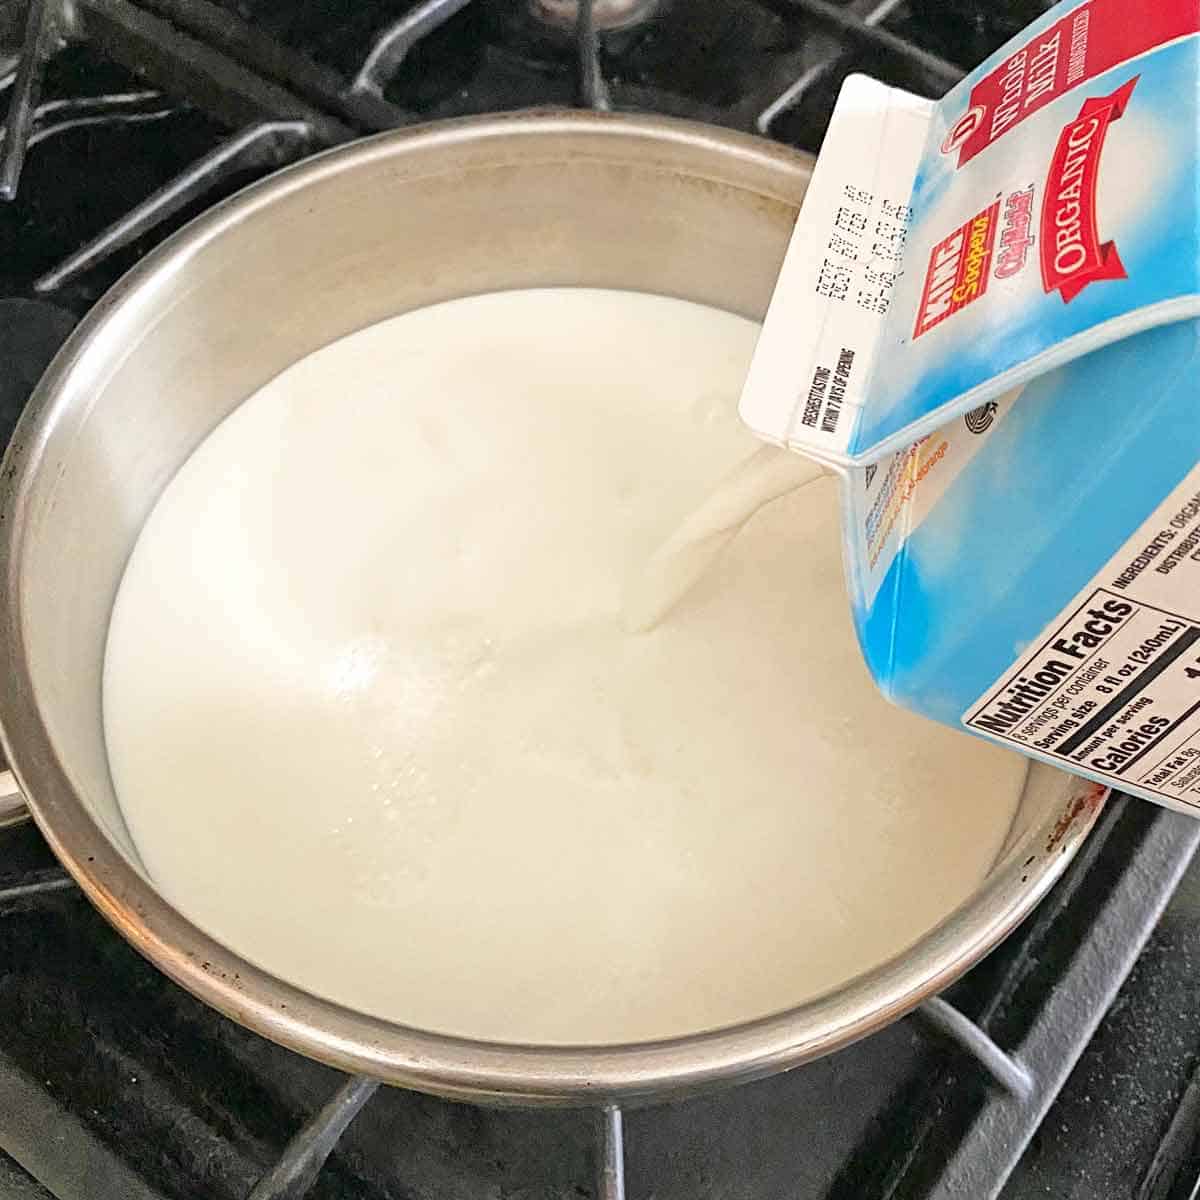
376 723
692 548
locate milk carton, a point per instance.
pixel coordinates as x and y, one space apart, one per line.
986 323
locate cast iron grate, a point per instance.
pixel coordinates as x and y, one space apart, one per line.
148 1089
278 102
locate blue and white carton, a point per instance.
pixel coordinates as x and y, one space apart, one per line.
987 325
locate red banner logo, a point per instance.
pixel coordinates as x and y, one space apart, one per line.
957 274
1071 251
1090 39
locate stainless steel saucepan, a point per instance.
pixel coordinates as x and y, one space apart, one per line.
306 256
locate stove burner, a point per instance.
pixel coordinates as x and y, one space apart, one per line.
606 14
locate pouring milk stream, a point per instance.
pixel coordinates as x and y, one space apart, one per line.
986 325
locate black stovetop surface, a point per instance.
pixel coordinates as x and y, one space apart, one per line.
114 1083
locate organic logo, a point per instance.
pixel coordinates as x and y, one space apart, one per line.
1072 252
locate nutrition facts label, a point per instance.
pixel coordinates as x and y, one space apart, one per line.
1112 688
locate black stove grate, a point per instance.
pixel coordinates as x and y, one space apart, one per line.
126 118
284 79
147 1088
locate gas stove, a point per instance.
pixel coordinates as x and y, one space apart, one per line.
1064 1065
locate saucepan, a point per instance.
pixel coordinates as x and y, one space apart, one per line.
313 253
